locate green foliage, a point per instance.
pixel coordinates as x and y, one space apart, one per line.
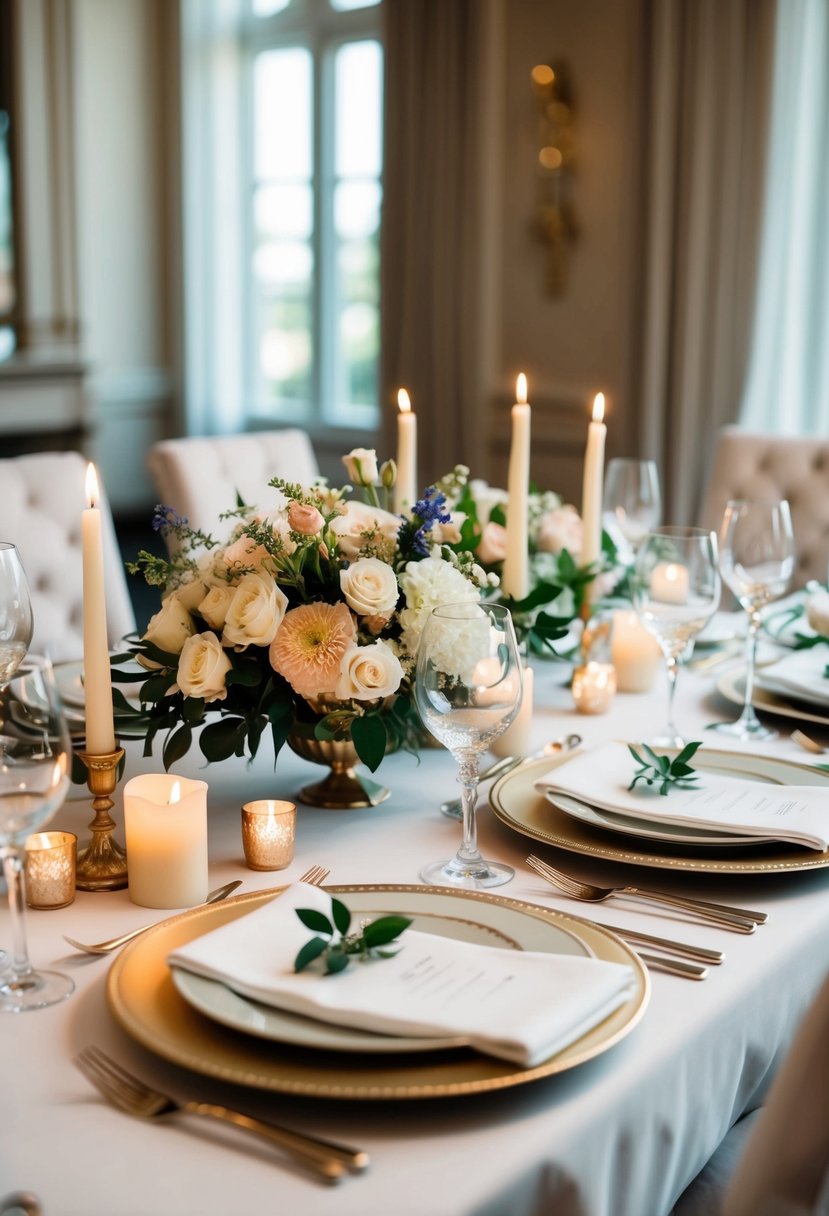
337 945
663 771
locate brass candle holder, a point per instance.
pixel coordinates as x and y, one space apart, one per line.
102 866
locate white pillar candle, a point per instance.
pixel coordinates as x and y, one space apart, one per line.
405 488
669 583
636 654
515 740
515 577
97 678
165 818
591 499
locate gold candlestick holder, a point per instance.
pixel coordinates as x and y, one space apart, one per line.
102 866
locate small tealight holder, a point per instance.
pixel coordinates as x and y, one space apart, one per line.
268 834
51 858
594 686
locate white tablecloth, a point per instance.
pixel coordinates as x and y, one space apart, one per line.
620 1136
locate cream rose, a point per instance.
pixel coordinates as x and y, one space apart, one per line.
361 466
169 629
255 612
370 587
202 668
368 672
362 525
493 546
306 520
215 604
817 612
561 529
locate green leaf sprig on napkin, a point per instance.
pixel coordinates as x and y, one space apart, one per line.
663 771
336 952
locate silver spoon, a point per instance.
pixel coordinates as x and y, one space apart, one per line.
114 942
453 809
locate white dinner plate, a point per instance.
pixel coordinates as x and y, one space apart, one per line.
675 833
732 685
69 679
215 1000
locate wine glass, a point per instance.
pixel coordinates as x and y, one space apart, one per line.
757 562
632 503
676 591
34 777
468 687
15 611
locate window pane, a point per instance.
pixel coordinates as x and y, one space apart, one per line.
356 209
358 331
359 82
284 211
267 8
283 114
285 351
344 6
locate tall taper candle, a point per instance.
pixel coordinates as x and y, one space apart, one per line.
591 502
515 579
405 488
97 679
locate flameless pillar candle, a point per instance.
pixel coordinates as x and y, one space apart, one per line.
100 728
405 488
591 501
166 826
515 579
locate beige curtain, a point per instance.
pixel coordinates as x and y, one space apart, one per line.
704 119
435 68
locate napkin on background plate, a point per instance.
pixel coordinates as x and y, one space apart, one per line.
798 675
522 1006
601 776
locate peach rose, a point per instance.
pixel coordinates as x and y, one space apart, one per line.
561 529
493 546
308 521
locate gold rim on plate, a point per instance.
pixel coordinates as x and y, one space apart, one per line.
144 1001
518 804
733 687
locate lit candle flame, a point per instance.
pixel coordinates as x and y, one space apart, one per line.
598 407
175 793
403 401
521 389
92 491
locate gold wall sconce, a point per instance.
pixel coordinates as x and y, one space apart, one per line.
554 222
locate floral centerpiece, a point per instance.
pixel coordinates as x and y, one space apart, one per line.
307 619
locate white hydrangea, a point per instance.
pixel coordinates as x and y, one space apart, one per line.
426 585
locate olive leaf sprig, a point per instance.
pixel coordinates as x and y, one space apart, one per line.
663 771
337 952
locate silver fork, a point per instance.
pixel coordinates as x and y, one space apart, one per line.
329 1160
738 920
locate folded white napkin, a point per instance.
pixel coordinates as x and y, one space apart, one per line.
799 675
601 776
521 1006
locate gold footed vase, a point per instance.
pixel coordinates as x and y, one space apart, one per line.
343 789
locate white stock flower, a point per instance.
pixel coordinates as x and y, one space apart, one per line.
368 672
255 612
215 604
361 526
169 629
361 466
486 498
426 585
370 587
203 667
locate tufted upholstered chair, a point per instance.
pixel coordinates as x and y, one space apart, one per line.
200 477
748 465
42 496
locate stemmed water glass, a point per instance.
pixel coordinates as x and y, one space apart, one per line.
35 760
676 591
757 562
468 687
632 503
15 611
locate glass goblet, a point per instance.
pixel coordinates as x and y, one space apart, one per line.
757 562
676 591
632 503
468 686
15 612
35 760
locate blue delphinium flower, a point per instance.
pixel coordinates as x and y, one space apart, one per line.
413 537
167 519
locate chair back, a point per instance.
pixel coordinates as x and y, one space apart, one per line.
773 467
42 498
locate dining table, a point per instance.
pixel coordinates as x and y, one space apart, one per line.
620 1134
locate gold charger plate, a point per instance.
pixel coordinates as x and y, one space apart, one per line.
144 1001
733 688
518 804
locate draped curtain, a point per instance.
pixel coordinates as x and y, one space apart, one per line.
704 121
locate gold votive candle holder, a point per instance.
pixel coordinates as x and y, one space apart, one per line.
268 834
594 686
51 858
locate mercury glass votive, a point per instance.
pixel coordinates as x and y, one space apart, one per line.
594 686
268 834
50 869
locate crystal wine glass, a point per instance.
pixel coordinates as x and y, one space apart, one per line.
757 562
15 612
34 777
632 503
676 591
468 687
